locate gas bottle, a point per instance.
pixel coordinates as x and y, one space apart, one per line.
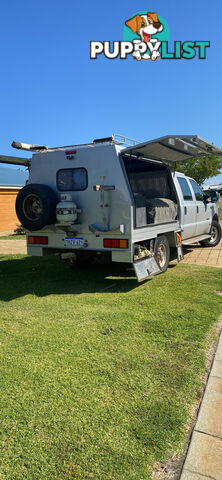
66 209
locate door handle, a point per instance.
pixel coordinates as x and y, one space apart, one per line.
185 210
197 209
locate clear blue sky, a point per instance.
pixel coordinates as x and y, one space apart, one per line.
52 93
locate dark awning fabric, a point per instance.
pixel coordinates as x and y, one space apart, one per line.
173 148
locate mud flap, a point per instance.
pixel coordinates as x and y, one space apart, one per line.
145 268
180 255
178 242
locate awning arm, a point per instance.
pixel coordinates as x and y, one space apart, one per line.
26 162
29 147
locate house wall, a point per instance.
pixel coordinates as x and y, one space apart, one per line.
8 217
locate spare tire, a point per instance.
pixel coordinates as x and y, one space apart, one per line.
36 206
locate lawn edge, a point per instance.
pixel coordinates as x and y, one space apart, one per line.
172 468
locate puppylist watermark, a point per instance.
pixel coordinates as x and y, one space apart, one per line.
146 37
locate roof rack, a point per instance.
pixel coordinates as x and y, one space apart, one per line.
118 139
115 138
125 140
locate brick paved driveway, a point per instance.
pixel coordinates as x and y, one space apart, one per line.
195 254
12 246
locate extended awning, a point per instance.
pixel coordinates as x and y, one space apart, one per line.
26 162
173 148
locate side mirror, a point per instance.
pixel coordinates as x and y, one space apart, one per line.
213 196
206 196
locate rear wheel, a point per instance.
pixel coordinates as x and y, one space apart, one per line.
215 233
162 252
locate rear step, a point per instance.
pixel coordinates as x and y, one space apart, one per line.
189 241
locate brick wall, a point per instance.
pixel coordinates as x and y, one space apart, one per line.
8 217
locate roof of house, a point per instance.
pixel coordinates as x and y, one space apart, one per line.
12 177
10 187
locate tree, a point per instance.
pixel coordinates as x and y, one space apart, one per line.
201 168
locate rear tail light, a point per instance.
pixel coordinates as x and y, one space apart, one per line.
115 243
123 244
37 240
70 152
107 243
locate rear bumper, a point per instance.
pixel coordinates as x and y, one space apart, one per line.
58 243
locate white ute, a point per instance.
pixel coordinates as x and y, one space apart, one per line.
118 197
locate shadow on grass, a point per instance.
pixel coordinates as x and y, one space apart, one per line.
46 276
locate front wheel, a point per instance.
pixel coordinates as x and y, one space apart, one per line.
162 252
215 233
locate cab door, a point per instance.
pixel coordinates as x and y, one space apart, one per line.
203 209
188 207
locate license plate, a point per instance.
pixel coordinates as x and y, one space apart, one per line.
74 241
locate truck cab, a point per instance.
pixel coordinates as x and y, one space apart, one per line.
196 212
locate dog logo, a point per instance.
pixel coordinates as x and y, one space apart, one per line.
145 26
146 37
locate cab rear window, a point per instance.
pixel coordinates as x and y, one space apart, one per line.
185 189
72 179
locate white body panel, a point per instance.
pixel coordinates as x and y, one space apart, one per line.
103 167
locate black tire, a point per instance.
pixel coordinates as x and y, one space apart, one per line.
36 206
162 252
215 232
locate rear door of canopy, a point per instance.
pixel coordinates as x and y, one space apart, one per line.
173 148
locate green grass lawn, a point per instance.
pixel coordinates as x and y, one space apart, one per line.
99 373
13 237
220 210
